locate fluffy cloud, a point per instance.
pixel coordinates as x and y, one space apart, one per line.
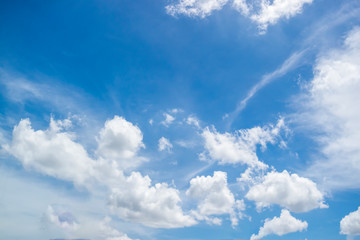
350 224
262 12
195 8
55 153
331 111
270 13
295 193
52 152
215 198
280 226
155 206
240 147
120 140
164 144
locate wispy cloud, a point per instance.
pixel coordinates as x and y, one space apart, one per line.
289 64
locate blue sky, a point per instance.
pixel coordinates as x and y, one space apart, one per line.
180 119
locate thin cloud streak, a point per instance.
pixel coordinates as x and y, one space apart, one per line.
289 64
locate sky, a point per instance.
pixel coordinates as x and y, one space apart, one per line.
180 119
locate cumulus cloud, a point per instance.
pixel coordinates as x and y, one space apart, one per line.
330 109
120 140
55 153
215 198
271 12
195 8
280 226
164 144
298 194
154 206
263 12
240 147
350 224
52 151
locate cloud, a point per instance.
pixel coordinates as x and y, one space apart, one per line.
215 198
289 64
169 119
195 8
154 206
280 226
350 224
295 193
120 140
262 12
164 144
55 153
271 12
330 111
52 151
240 147
191 120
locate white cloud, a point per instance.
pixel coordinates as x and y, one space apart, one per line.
195 8
240 147
331 112
271 12
120 140
191 120
263 12
154 206
280 226
55 153
164 144
241 6
52 152
350 224
295 193
215 198
169 119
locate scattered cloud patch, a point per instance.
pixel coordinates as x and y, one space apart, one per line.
169 119
191 120
195 8
298 194
164 145
271 12
280 226
350 224
240 147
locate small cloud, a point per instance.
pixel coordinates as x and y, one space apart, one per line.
169 119
164 145
193 121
